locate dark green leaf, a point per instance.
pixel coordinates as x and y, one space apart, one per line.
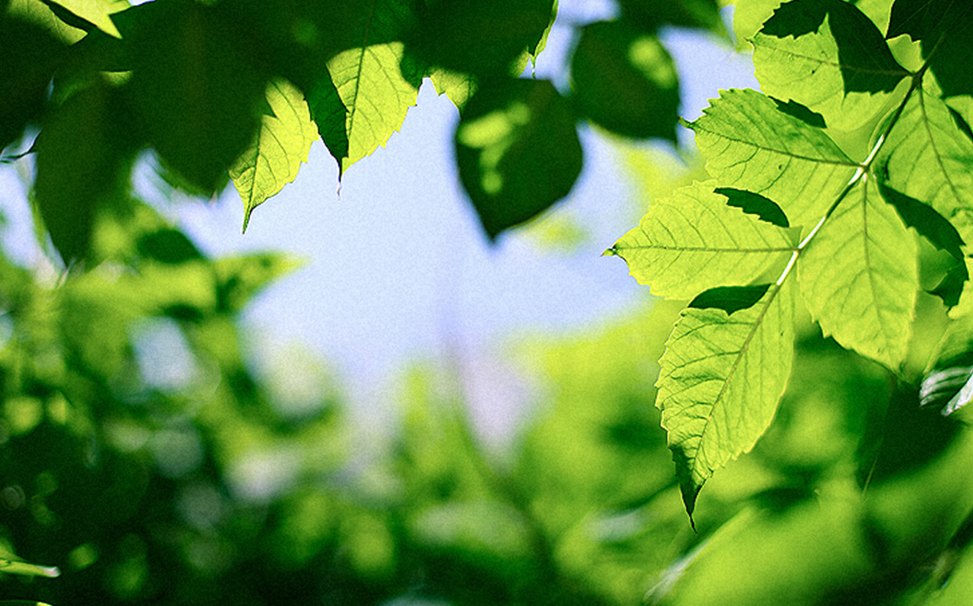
518 151
198 96
950 288
81 162
330 114
754 204
626 81
649 15
30 55
483 38
926 19
925 220
730 299
168 246
953 58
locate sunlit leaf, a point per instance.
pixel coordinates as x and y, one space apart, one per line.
458 87
828 56
696 241
720 381
928 157
518 151
859 277
97 13
27 569
750 144
626 81
282 144
375 95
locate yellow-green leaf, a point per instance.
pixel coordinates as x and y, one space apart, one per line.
281 145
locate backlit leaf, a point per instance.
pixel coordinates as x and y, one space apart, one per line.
928 157
375 94
281 145
95 12
749 144
828 56
721 378
518 151
626 81
859 277
696 241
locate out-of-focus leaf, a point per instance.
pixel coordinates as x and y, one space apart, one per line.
749 144
81 162
39 13
828 56
30 55
239 278
482 38
168 246
695 241
859 277
651 14
626 81
282 144
928 157
518 151
27 569
195 89
720 381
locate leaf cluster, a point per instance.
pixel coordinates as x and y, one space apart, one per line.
842 190
240 89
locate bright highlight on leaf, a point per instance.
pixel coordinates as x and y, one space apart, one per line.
696 241
281 145
749 144
720 381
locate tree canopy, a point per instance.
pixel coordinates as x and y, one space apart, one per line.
819 316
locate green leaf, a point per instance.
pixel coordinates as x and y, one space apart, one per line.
626 81
39 13
239 278
649 15
928 157
754 204
730 299
81 163
26 569
926 19
696 241
375 94
925 220
720 380
518 151
859 276
30 55
749 144
197 94
827 55
457 86
482 38
281 145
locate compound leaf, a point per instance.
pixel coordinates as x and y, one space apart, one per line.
281 145
696 241
750 144
827 55
720 380
859 276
